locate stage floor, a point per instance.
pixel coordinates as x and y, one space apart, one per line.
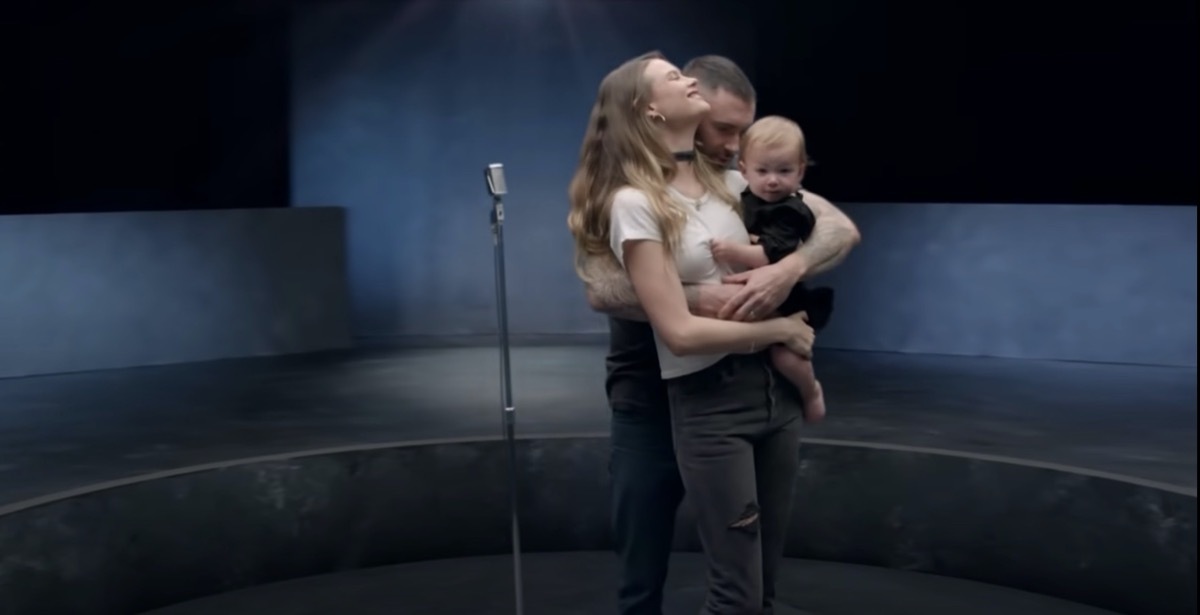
70 431
581 583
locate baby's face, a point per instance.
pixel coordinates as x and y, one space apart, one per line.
772 172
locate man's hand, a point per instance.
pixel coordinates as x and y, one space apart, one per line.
707 299
832 238
763 291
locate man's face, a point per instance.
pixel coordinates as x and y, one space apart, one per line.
721 130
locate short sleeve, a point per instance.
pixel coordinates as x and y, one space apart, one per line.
735 182
631 219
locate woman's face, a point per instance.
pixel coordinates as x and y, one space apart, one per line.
673 96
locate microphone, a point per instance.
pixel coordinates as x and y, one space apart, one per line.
494 173
497 188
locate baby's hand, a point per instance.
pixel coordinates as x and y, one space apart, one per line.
723 251
733 253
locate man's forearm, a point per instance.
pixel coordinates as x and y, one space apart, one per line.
623 312
610 292
615 306
826 248
833 237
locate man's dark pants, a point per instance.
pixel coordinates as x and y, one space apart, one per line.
646 493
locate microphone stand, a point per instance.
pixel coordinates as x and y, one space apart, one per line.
509 411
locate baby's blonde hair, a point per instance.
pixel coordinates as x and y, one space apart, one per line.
775 131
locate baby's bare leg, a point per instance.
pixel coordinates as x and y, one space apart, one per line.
800 372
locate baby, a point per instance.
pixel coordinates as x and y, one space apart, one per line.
773 160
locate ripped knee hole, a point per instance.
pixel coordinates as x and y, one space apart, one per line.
747 520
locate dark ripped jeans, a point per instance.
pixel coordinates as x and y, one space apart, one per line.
736 431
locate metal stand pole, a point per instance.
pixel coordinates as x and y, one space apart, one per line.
506 393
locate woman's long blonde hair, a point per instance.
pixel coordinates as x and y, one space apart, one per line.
622 148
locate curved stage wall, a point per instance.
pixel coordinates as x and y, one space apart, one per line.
93 291
1112 542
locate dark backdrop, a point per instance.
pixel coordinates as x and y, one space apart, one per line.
992 101
120 106
135 105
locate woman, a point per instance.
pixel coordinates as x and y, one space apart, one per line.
643 197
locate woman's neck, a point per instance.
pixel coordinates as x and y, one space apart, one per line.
680 141
685 172
684 178
685 181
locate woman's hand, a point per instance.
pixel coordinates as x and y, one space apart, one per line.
801 339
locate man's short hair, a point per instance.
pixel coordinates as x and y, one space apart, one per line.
721 73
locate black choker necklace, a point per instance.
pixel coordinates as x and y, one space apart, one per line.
687 156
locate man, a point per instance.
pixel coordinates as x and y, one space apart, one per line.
646 487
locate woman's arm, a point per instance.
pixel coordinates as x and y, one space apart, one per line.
637 241
660 292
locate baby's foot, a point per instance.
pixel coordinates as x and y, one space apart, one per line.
814 406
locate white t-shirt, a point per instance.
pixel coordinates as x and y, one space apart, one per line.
708 218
